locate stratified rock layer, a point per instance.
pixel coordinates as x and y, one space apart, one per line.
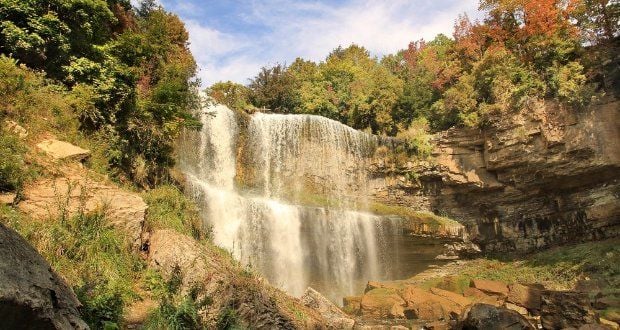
31 295
541 177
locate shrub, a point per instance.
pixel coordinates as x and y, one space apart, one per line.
417 138
169 208
12 166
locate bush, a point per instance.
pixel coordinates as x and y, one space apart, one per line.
169 208
12 166
417 138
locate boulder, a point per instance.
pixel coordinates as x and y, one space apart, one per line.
524 296
66 196
32 296
16 128
351 304
489 317
516 308
490 287
454 297
563 309
425 305
379 302
333 315
478 296
63 150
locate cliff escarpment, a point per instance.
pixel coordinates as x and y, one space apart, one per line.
541 177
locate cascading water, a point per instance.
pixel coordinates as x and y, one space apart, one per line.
333 249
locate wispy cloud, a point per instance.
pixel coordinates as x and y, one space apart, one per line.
234 45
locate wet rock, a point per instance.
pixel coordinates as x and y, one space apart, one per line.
489 317
563 309
31 295
333 315
490 287
63 150
525 296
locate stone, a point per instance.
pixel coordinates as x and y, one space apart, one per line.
489 317
351 304
16 128
563 309
610 324
525 296
378 302
518 309
7 198
425 305
30 292
490 287
78 193
454 297
63 150
335 318
478 296
203 268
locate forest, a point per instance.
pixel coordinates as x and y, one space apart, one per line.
521 52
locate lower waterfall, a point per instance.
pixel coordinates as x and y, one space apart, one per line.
333 249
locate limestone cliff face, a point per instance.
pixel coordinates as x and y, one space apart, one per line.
540 177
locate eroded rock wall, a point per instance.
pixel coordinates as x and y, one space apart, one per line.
544 176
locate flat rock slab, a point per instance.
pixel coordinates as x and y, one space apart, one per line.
63 150
51 198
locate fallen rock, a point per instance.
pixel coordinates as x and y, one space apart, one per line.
425 305
563 309
16 128
30 293
63 150
478 296
524 296
199 267
452 296
611 324
516 308
378 302
489 317
490 287
333 315
351 304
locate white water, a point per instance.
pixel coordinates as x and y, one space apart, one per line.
293 246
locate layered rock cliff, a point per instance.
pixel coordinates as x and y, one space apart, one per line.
543 176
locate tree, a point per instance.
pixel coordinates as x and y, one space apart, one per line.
233 95
273 88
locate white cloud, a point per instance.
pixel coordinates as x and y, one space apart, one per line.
312 30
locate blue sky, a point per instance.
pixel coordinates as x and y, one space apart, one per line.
232 39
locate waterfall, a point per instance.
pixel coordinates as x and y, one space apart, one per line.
334 249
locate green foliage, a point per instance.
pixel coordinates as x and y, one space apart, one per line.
571 86
128 77
417 138
233 95
169 208
558 268
93 257
228 319
12 166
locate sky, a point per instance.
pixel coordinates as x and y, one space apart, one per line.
233 39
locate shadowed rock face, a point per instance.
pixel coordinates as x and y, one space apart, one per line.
31 295
537 178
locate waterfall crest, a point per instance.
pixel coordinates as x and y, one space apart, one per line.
333 249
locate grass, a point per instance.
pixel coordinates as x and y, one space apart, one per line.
169 208
558 268
94 258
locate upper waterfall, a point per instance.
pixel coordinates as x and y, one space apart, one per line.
249 174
